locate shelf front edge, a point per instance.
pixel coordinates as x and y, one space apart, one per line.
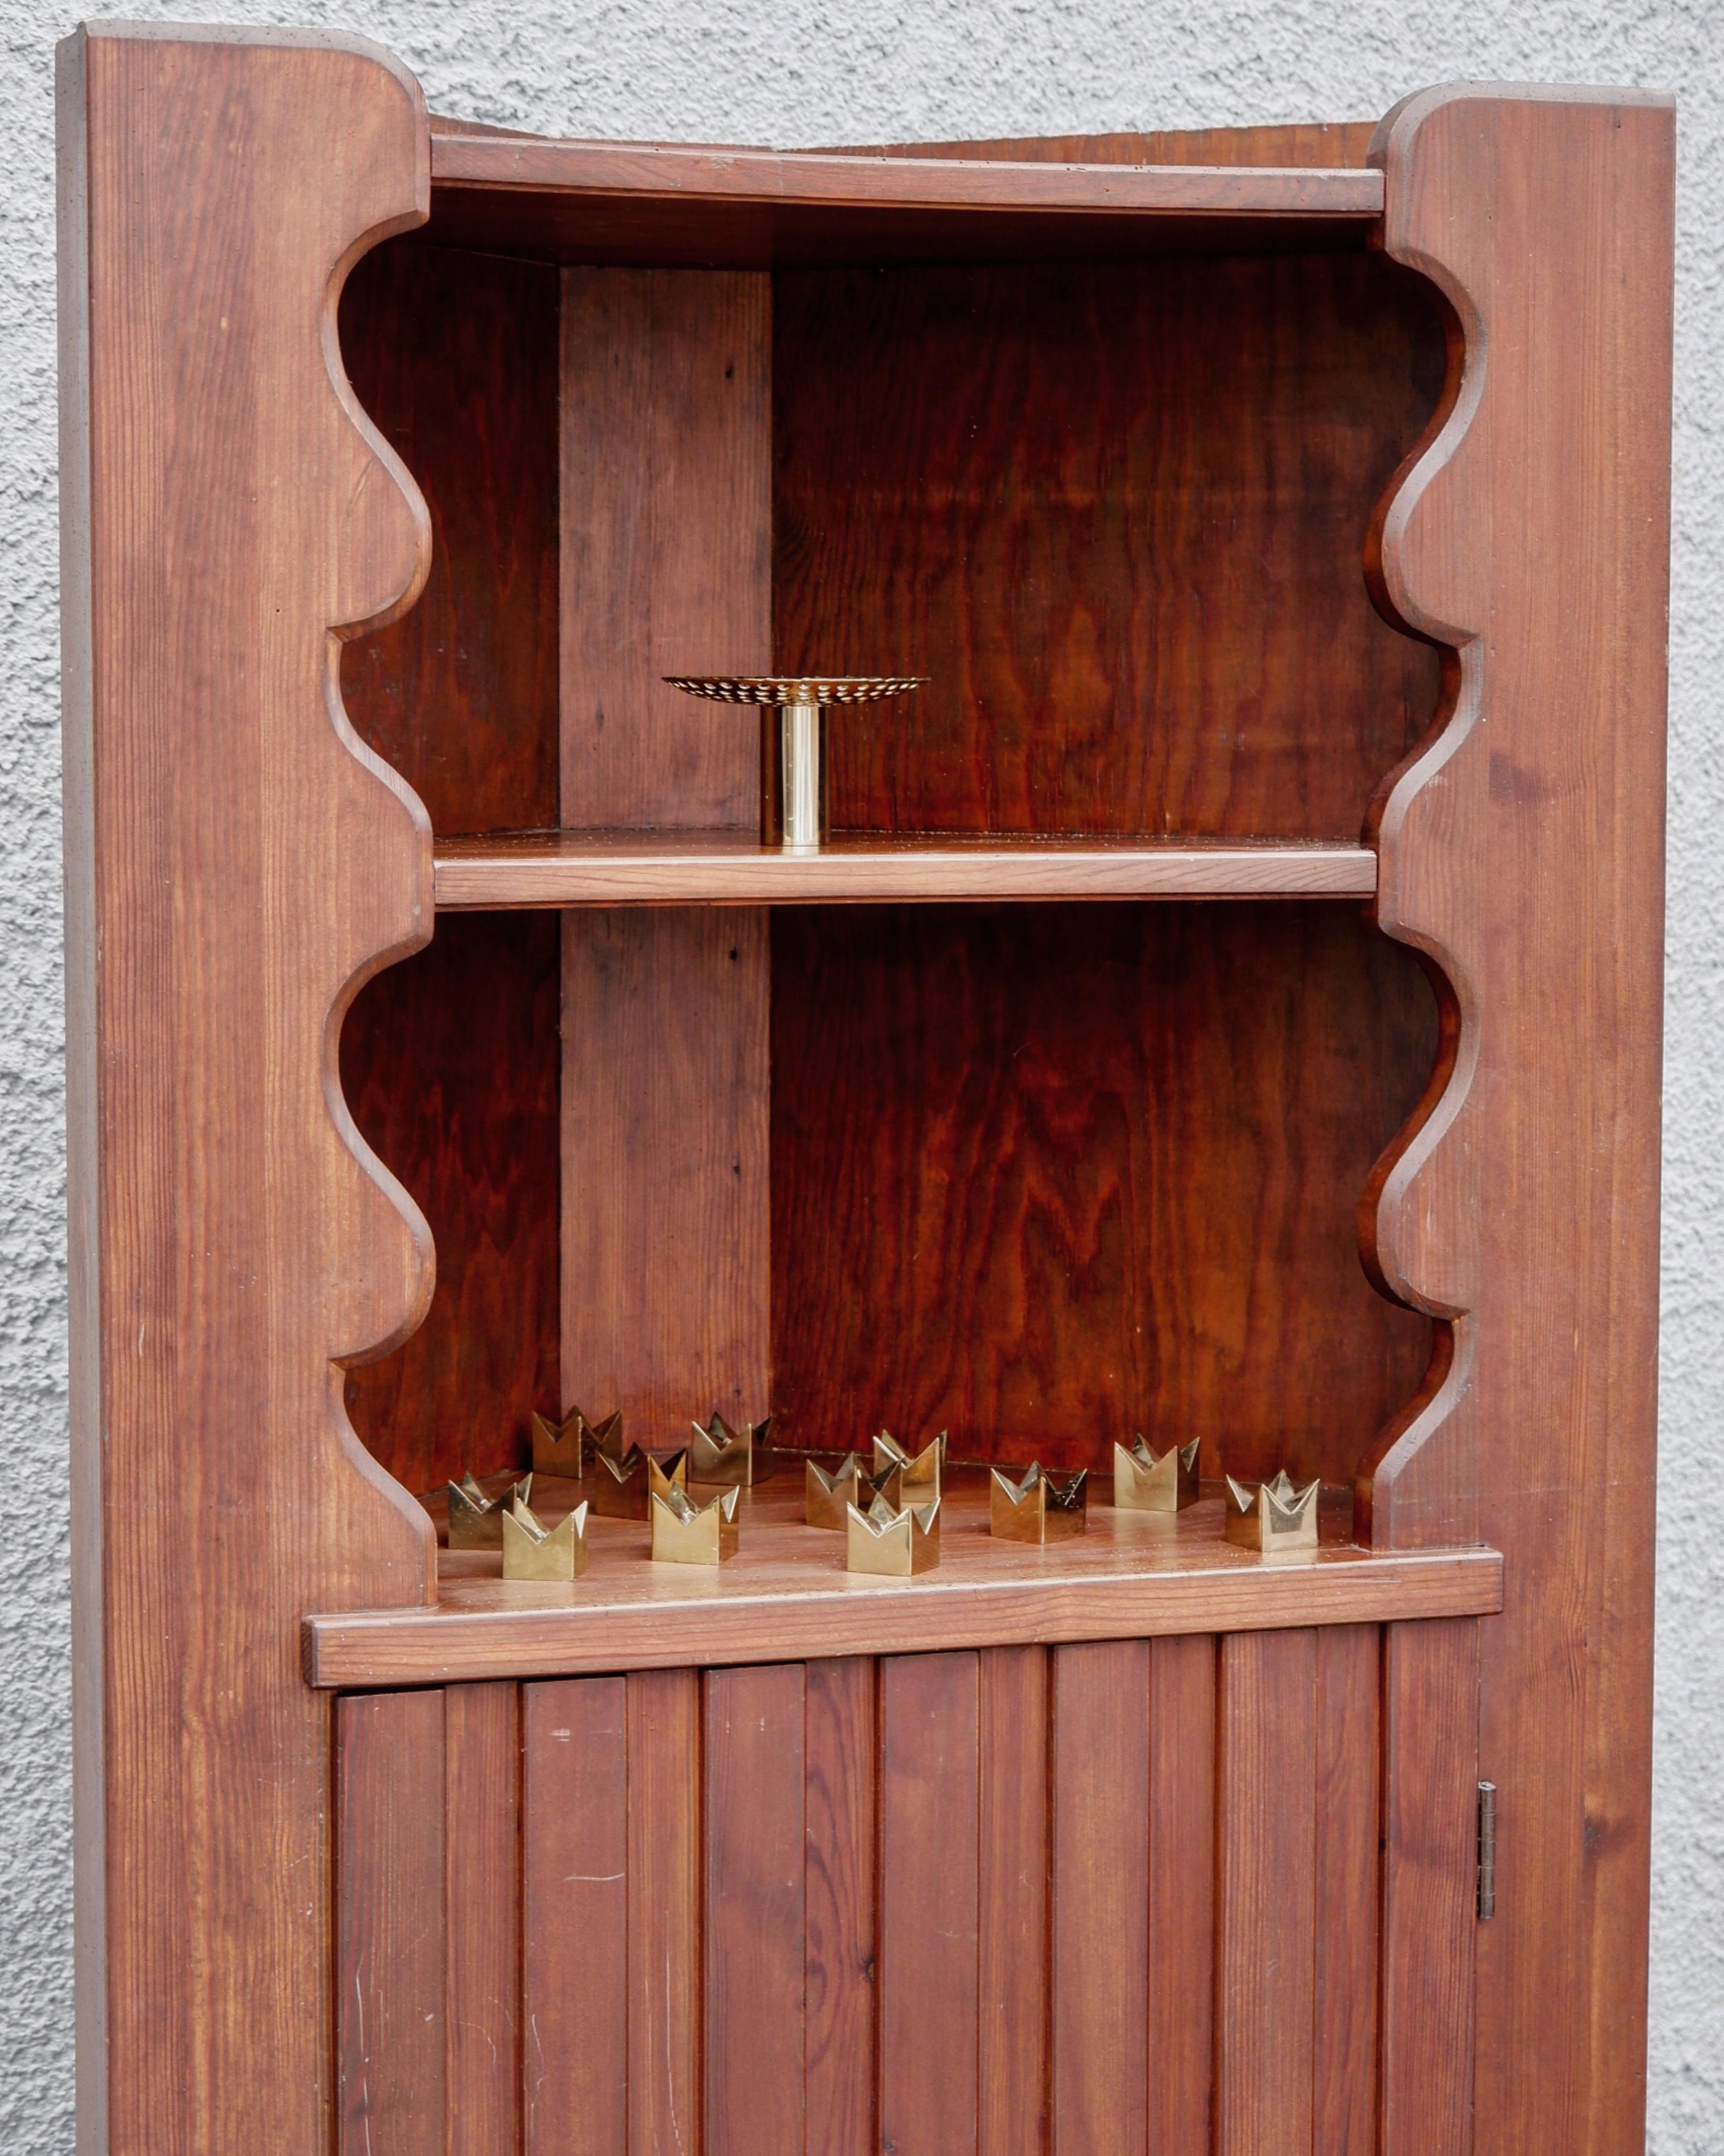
469 877
369 1649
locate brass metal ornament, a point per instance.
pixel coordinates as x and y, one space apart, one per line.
732 1459
904 1479
559 1447
475 1522
1146 1481
892 1544
619 1486
793 810
685 1533
1039 1509
533 1551
826 1497
1273 1517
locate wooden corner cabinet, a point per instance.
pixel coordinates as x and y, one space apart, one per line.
1226 1008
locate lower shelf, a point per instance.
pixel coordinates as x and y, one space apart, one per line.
787 1595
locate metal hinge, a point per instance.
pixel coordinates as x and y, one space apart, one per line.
1487 1850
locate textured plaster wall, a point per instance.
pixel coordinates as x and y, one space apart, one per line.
810 71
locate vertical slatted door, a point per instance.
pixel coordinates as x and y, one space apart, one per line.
1146 1895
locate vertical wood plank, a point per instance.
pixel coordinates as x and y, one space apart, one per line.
1012 1917
666 541
1347 1888
842 1826
482 1871
390 2015
754 1845
1100 1897
1180 1957
663 1828
928 1820
575 1895
1266 1894
665 1199
1430 1706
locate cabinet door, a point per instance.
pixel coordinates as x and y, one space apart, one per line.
1158 1896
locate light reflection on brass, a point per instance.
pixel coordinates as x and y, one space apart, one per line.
1273 1517
1145 1481
1038 1509
687 1533
904 1479
732 1459
892 1545
533 1551
618 1487
475 1522
826 1496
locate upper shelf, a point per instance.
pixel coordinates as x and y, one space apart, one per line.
652 204
718 868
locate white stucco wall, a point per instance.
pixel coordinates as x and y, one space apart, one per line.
809 71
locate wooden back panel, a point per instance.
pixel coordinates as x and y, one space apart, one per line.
1050 1174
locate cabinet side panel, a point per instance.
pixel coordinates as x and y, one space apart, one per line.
666 541
1100 1943
252 863
575 1915
843 1823
391 2018
1013 1856
665 1174
753 1841
928 1820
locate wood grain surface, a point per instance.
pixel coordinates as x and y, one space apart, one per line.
237 865
666 463
391 2013
484 1901
754 1839
454 356
841 1902
1523 848
787 1594
1333 144
643 204
1012 481
1180 1956
926 2063
1347 1812
1099 1890
574 1971
451 1064
719 868
1014 1858
664 1169
1048 1176
665 1909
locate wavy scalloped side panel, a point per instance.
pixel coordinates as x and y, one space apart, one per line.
249 864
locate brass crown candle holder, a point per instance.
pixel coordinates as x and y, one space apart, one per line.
1145 1481
793 811
532 1551
620 1488
685 1533
825 1497
890 1544
475 1522
559 1448
732 1459
1038 1509
903 1480
1273 1517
